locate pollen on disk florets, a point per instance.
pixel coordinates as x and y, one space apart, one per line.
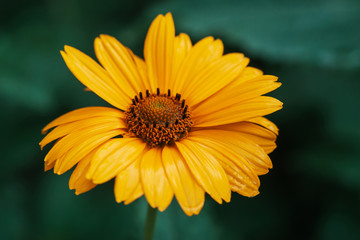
158 119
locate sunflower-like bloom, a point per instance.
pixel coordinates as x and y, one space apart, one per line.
187 120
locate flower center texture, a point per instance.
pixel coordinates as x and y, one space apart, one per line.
158 119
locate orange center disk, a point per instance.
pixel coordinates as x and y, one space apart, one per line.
159 110
158 119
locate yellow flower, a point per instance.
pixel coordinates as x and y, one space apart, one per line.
186 120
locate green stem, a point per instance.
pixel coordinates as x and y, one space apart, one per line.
150 223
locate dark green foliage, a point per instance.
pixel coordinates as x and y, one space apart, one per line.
313 46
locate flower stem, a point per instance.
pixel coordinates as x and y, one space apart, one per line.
150 223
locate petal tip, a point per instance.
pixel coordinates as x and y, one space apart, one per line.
168 16
68 48
105 37
63 54
97 41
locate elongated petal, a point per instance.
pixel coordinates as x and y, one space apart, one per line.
200 56
230 97
84 113
159 50
74 139
113 157
119 62
142 68
241 176
78 180
254 132
68 128
94 77
266 123
135 195
127 181
252 152
182 46
155 184
214 77
81 149
48 166
186 189
247 74
243 111
206 170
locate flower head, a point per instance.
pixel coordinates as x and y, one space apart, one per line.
187 120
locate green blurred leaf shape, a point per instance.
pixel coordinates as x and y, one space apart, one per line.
320 32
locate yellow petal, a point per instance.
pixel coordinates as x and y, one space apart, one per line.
266 123
81 149
65 144
243 111
48 166
127 181
135 195
78 180
94 77
200 56
67 128
214 77
241 176
206 170
83 113
252 152
155 184
142 68
119 63
254 132
113 157
247 74
186 189
182 46
159 50
230 97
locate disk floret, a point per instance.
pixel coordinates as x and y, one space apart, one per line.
158 118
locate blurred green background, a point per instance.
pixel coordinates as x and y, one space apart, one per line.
313 192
